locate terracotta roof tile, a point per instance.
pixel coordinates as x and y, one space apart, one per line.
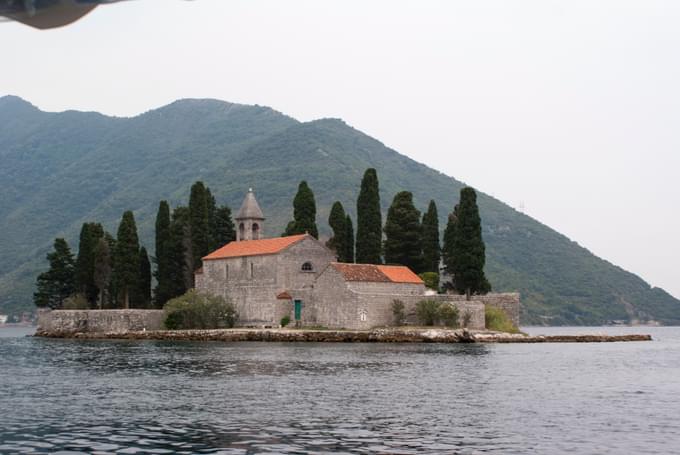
377 273
400 274
254 247
284 296
361 272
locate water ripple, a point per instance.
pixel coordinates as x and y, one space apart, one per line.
70 396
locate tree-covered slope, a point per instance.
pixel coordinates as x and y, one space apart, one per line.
61 169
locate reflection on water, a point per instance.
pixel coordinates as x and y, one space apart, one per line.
168 397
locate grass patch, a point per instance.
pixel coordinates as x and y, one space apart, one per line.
496 319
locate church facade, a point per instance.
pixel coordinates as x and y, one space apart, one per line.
297 276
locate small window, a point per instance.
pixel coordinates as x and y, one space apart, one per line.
363 315
252 270
307 267
226 272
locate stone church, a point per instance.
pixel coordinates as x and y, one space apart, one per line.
297 276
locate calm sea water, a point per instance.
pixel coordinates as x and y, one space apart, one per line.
73 396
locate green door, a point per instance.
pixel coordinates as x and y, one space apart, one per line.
298 309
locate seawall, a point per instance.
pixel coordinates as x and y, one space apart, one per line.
65 323
386 335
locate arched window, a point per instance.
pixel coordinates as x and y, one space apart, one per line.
307 267
256 231
241 231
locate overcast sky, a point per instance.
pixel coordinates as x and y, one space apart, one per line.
571 108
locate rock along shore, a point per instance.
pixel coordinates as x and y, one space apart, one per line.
386 335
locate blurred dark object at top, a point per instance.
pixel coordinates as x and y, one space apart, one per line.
44 14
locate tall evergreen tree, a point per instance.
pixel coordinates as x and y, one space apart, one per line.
180 257
448 256
126 258
144 280
431 247
369 220
349 245
90 233
225 231
337 220
467 247
199 223
212 220
163 267
103 268
58 283
403 233
304 213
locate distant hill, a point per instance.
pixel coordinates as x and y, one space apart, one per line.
62 169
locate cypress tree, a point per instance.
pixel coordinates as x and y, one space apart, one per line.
58 283
126 258
102 270
349 245
336 221
369 220
448 256
467 247
403 233
225 231
304 213
199 223
90 233
144 280
180 258
212 220
163 271
431 247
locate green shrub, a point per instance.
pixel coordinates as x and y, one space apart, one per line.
467 317
448 315
398 312
194 310
496 319
285 321
76 302
427 312
431 280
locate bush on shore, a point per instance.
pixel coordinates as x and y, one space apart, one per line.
427 312
398 312
431 280
195 310
496 319
76 302
448 315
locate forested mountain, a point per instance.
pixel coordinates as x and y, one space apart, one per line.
62 169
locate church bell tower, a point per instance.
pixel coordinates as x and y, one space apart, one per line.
249 220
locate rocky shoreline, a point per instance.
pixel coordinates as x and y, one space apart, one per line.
386 335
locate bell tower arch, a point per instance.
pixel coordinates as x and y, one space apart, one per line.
249 219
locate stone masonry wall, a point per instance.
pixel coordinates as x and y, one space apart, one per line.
252 282
508 302
337 303
68 322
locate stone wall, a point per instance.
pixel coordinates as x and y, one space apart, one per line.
253 282
337 303
508 302
68 322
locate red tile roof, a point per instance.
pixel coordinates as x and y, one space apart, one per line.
400 274
377 273
361 272
254 247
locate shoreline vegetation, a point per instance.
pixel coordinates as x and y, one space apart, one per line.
379 335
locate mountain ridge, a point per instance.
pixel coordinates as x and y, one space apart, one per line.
105 165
